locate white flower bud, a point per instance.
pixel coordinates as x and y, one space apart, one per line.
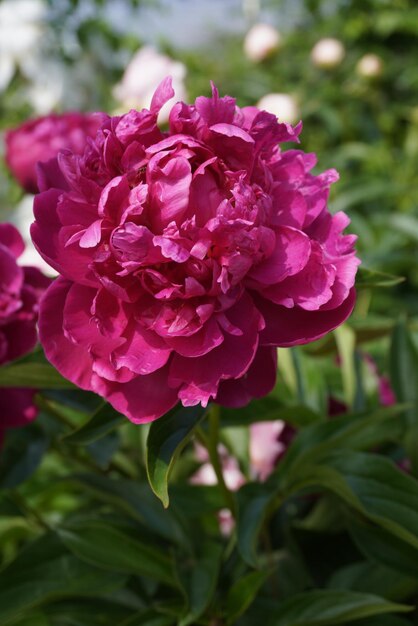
370 66
283 105
261 41
327 53
142 76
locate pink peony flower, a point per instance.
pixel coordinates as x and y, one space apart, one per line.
20 289
187 257
41 139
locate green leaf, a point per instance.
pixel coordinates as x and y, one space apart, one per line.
242 593
89 611
136 500
33 619
368 279
166 438
102 545
382 547
42 573
148 618
374 578
198 579
404 379
21 454
254 502
269 409
329 607
33 375
372 485
355 431
102 422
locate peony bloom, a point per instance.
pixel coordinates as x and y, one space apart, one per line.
282 105
41 139
261 41
187 257
327 53
370 66
146 70
20 289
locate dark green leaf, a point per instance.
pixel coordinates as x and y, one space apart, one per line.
372 485
329 607
21 455
372 578
367 279
167 437
358 431
382 547
137 500
254 502
32 619
46 576
104 546
148 618
269 409
404 379
102 422
33 375
198 579
242 594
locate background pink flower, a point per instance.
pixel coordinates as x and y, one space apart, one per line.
187 257
20 290
41 139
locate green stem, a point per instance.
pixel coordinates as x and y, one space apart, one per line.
211 442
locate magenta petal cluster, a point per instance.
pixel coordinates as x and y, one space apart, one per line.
186 257
20 290
41 139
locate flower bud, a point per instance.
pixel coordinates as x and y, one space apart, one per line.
370 66
327 53
261 41
282 105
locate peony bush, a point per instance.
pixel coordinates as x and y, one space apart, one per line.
203 287
186 257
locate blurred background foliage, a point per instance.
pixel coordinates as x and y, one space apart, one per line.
362 119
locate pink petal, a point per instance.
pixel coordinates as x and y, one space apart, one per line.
11 239
169 188
291 327
143 399
200 377
71 360
71 261
163 94
257 382
288 258
17 407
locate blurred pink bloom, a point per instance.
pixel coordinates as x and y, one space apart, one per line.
205 475
385 391
266 446
145 71
268 442
20 290
186 257
41 139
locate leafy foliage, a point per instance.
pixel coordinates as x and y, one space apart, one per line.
331 536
